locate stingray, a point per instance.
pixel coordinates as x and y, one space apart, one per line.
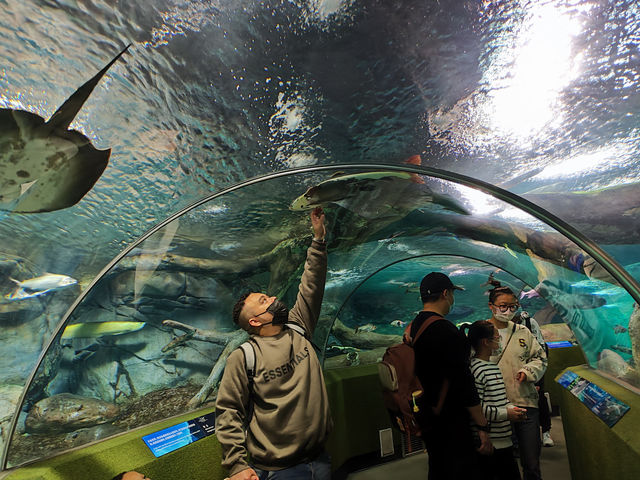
44 166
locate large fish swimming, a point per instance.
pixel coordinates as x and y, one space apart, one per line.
37 286
376 194
44 166
608 215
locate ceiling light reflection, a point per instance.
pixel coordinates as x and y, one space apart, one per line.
542 62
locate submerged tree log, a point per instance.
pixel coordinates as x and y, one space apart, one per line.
362 340
212 336
231 341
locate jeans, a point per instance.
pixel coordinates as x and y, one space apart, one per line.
529 444
318 469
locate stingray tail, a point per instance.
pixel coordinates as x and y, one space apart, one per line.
63 117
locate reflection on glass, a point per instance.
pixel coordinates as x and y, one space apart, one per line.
151 338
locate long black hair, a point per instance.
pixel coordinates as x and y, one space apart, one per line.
478 331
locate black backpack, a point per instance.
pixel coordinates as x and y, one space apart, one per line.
401 388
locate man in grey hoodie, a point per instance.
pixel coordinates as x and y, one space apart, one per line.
281 418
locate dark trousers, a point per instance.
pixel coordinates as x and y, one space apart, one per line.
449 442
501 465
543 406
529 444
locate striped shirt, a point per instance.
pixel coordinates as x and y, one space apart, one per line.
493 398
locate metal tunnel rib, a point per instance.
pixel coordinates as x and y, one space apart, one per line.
590 247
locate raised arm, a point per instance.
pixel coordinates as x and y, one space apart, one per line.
307 307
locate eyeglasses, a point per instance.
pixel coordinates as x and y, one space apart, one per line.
504 308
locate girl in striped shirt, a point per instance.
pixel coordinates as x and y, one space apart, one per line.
501 465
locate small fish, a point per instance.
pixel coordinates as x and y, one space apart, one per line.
529 294
622 349
491 280
619 329
398 323
34 287
99 329
369 327
20 294
509 251
44 282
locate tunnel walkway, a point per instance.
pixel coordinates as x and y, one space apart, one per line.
554 462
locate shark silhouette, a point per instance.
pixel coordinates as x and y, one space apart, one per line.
44 166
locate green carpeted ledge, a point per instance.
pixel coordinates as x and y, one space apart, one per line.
596 451
197 461
559 359
358 413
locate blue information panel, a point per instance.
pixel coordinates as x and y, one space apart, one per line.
609 409
180 435
559 344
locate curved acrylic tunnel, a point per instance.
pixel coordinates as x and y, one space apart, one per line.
149 337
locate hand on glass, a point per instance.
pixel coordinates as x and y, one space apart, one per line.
317 222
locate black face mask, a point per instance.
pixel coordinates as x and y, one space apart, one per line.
279 311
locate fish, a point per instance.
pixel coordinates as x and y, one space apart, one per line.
606 215
491 281
634 336
99 329
377 194
369 327
46 281
509 251
460 311
622 348
529 294
397 323
37 286
619 329
44 166
610 362
563 293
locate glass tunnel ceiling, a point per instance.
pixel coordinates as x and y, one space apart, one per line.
149 337
539 98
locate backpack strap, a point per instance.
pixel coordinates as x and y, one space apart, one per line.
297 328
445 384
250 365
426 324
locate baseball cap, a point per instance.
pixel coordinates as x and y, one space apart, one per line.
436 282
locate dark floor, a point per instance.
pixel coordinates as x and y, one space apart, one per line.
554 462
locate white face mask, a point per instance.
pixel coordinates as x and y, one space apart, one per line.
498 350
503 317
